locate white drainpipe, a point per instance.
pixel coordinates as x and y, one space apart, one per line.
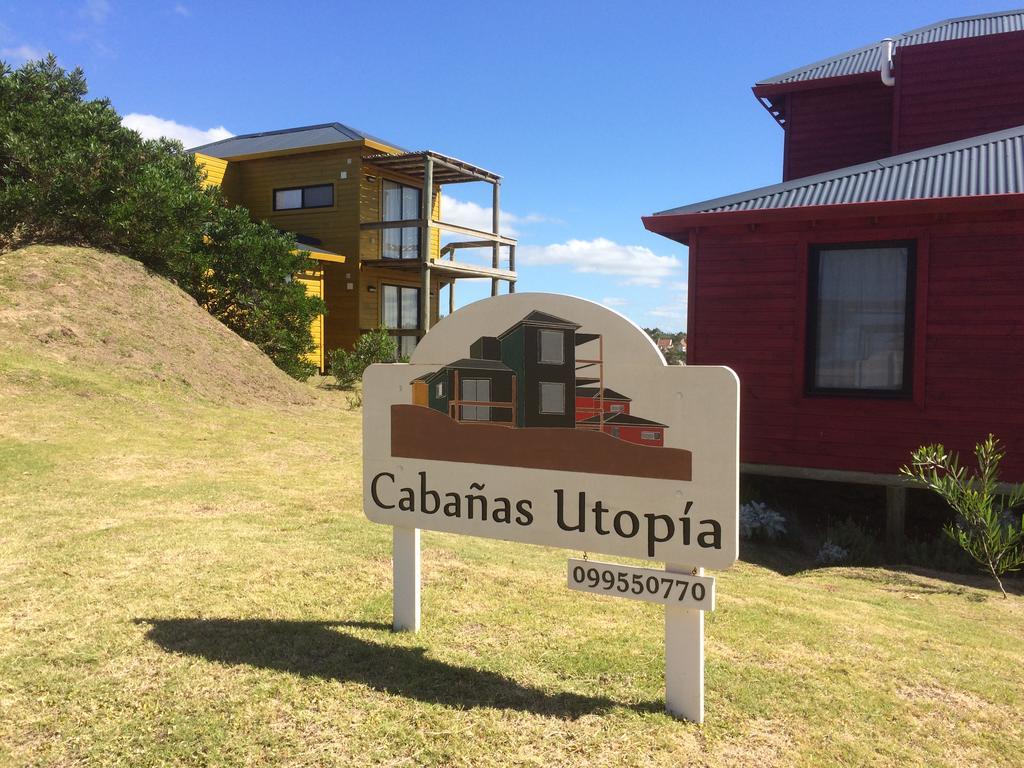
888 78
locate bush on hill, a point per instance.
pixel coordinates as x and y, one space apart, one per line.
71 174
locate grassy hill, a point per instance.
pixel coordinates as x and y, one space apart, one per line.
186 578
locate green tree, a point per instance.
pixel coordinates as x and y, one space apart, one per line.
989 526
70 173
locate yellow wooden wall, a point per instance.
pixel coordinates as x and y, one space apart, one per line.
313 280
213 167
336 227
351 307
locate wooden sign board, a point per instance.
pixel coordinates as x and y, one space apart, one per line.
551 420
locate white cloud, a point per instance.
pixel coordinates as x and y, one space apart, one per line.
475 216
152 127
614 302
21 53
182 10
638 264
95 10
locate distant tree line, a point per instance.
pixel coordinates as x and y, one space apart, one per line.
71 174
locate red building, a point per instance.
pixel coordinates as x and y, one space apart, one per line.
589 402
871 302
617 421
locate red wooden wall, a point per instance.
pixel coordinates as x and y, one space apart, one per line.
944 91
748 310
959 88
836 127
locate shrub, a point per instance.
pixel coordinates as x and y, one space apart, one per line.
759 521
861 547
989 526
70 173
831 553
347 367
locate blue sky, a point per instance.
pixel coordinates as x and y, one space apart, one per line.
594 112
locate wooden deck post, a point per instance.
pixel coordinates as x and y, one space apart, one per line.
496 227
895 518
427 216
512 267
451 296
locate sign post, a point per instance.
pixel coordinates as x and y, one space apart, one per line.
684 658
551 420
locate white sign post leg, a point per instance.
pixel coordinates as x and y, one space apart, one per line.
684 657
405 564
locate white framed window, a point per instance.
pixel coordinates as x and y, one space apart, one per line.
400 203
644 435
480 391
552 397
552 346
315 196
616 408
439 389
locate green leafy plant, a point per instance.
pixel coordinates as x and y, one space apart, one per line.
347 367
989 525
70 173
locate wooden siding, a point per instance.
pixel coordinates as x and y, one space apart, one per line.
748 311
959 88
313 280
836 127
214 169
336 227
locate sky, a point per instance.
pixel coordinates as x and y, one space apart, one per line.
595 113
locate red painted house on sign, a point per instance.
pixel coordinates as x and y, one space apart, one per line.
871 302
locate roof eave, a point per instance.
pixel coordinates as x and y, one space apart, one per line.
768 90
678 226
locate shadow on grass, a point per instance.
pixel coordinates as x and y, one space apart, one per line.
320 649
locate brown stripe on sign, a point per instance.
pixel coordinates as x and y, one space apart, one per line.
423 433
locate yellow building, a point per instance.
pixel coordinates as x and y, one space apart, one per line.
364 210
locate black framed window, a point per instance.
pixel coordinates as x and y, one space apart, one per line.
860 319
400 203
400 311
293 198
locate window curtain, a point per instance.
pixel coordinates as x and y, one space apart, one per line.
862 305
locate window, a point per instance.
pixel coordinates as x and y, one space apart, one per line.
401 203
615 431
650 435
439 389
400 310
552 347
480 391
616 408
319 196
860 314
552 397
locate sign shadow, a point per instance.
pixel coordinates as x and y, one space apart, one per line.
321 649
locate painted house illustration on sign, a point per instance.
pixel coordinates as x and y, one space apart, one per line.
524 382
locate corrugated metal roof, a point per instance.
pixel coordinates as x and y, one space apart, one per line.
869 58
990 164
289 138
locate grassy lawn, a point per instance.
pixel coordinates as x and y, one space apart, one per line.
189 583
189 580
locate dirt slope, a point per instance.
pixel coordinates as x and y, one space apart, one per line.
92 309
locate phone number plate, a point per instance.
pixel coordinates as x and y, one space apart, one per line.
648 584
